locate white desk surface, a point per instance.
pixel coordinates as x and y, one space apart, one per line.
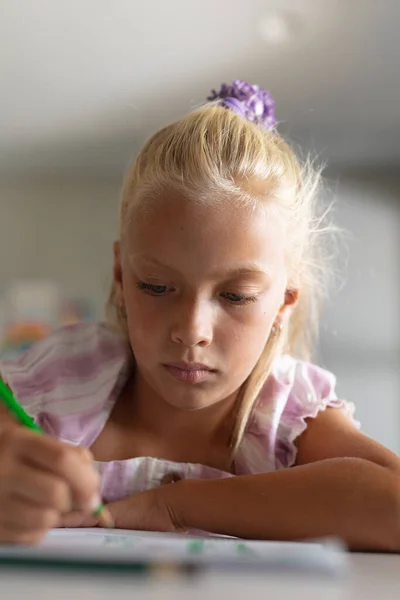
370 577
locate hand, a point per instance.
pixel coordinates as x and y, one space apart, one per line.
40 479
153 510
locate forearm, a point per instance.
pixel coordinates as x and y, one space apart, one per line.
353 499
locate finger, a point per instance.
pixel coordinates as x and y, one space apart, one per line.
41 488
68 462
84 453
78 519
6 417
21 516
27 539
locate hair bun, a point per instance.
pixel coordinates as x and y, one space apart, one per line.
249 101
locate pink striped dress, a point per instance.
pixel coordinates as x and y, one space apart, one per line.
70 381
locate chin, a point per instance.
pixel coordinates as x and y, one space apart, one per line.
188 402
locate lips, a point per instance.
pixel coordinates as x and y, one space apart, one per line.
193 373
190 366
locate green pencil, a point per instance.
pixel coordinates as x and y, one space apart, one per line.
22 417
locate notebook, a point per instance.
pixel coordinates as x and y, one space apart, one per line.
138 550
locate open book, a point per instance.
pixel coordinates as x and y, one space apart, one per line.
122 548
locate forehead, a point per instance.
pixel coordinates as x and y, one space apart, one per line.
190 235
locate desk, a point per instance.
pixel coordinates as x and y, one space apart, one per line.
374 577
370 577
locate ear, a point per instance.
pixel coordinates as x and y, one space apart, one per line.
290 299
117 268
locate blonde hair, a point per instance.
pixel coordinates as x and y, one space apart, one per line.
213 152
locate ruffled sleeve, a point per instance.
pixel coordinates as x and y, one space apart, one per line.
294 392
67 372
28 376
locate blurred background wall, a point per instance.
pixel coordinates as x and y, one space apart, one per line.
84 83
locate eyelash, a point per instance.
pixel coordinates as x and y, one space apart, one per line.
160 290
243 300
148 287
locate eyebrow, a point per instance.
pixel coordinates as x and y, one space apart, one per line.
247 268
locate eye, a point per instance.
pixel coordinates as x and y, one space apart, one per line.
234 298
153 290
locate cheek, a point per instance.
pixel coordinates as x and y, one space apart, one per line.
261 317
145 319
259 314
248 329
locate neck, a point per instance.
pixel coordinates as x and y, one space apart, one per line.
158 418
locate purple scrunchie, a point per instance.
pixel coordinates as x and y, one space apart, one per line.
249 101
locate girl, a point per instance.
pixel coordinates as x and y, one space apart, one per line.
199 378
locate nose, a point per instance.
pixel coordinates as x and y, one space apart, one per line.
193 324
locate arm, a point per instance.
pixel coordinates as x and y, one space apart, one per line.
356 499
331 434
353 499
327 493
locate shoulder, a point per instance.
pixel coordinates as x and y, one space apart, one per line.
69 357
294 392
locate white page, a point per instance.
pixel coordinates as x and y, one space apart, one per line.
213 549
168 544
126 546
